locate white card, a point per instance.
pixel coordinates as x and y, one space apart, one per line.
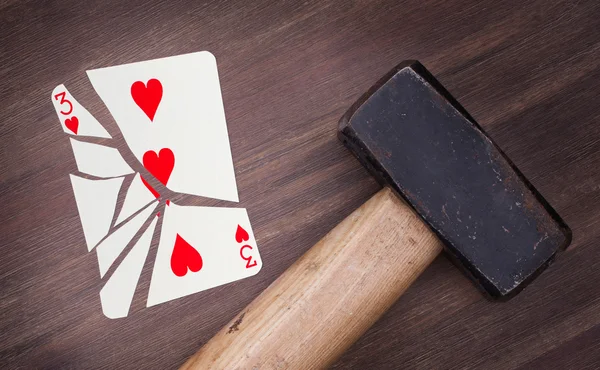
201 248
74 118
138 196
99 160
117 293
115 243
171 114
96 200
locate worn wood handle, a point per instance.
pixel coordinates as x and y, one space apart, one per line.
326 300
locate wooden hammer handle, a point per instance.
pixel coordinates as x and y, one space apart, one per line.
326 300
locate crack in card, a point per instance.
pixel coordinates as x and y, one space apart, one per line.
170 114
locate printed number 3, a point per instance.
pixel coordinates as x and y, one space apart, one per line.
248 259
64 101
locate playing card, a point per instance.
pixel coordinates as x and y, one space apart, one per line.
117 293
99 160
96 200
200 248
111 247
171 114
75 119
137 197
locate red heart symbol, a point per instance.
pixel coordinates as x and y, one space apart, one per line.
241 235
154 192
72 124
184 257
160 165
147 96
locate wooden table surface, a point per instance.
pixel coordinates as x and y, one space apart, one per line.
528 71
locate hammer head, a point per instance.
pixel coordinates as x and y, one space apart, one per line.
414 137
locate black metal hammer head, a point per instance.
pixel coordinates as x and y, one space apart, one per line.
414 137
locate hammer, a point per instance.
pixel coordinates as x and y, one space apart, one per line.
446 186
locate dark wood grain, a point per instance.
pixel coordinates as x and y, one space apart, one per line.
528 71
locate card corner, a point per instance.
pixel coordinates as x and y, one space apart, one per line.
58 88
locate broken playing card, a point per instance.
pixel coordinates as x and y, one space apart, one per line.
117 293
99 160
138 196
111 247
201 248
75 119
96 201
171 115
